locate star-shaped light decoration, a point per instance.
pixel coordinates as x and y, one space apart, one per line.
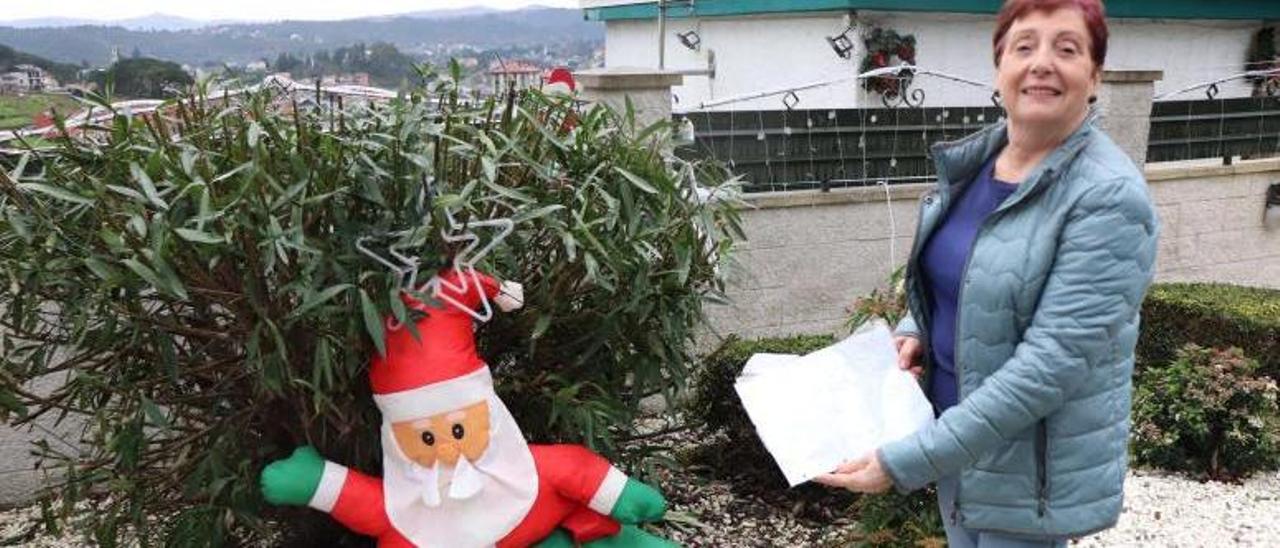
406 266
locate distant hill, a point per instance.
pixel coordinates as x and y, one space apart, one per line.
46 22
447 13
160 21
155 21
10 57
247 42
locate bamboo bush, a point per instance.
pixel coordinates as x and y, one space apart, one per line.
189 284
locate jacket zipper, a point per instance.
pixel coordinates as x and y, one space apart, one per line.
964 282
1042 464
955 349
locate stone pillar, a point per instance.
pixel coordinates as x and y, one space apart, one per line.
1124 107
649 90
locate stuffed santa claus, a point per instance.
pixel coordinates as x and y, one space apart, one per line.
457 471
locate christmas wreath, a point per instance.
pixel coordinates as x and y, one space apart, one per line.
883 46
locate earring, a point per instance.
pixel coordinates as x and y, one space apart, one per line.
995 99
1093 99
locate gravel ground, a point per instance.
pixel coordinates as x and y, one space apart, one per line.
1160 510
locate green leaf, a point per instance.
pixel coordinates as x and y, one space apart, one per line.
540 327
373 323
490 169
148 187
9 403
55 192
128 193
319 299
636 180
18 170
101 269
198 237
20 224
143 271
154 414
538 213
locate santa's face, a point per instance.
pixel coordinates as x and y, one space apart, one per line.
445 436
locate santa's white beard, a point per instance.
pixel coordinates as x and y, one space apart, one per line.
475 503
464 482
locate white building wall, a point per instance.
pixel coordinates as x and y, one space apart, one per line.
767 52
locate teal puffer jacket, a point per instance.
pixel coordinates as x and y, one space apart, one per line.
1045 334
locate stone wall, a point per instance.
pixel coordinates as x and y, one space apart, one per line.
1213 226
809 254
19 478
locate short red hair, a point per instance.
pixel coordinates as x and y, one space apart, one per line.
1095 19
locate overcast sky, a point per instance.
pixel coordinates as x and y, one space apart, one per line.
243 9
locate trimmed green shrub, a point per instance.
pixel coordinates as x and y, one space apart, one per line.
194 277
1211 315
734 451
1207 412
715 403
890 519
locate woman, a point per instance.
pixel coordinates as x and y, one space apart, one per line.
1031 261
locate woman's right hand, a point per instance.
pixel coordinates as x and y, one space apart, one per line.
910 355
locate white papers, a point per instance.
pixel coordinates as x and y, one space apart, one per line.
834 405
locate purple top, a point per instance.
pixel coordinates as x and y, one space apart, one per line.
942 263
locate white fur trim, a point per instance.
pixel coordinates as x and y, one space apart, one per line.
436 398
335 475
510 296
609 491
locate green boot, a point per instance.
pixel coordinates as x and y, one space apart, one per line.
631 537
638 503
557 539
293 481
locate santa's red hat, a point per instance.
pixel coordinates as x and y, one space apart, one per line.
440 370
560 81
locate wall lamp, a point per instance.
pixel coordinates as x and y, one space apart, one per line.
842 44
1271 215
690 39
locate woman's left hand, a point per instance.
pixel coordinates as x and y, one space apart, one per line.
864 475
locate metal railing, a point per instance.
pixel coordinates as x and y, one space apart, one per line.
829 148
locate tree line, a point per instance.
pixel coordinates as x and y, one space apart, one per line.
386 65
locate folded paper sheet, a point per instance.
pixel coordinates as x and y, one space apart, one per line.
834 405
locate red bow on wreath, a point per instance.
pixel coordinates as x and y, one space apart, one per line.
882 47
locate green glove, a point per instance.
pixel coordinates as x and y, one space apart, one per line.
631 537
638 503
557 539
293 480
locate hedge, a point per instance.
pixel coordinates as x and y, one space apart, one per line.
1214 316
715 402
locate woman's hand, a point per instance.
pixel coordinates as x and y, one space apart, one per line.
864 475
910 355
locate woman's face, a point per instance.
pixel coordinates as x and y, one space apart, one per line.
1046 74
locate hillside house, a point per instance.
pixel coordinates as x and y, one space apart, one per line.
353 79
521 74
26 79
758 45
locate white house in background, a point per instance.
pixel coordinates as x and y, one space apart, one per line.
26 78
761 45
